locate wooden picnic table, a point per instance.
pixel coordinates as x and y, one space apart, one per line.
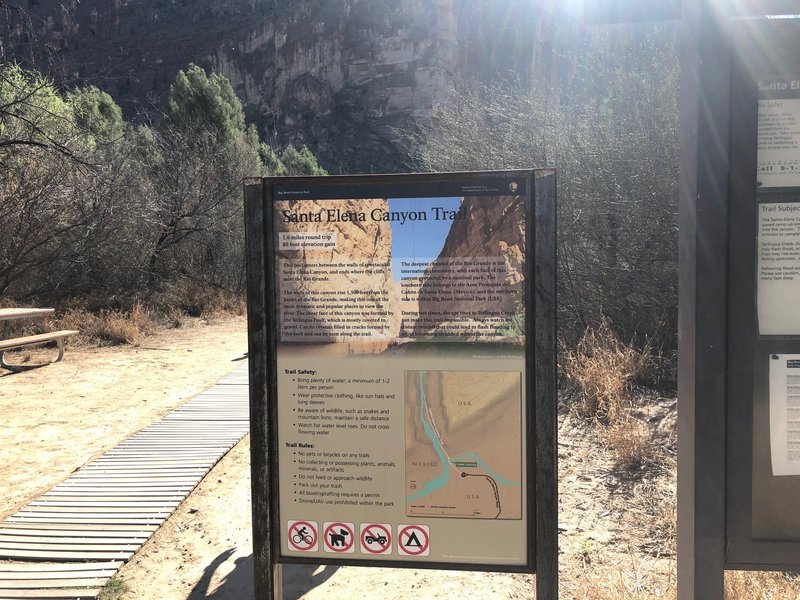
8 314
13 314
6 342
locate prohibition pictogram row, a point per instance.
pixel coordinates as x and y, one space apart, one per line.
340 537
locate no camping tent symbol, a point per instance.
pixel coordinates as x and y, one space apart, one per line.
413 540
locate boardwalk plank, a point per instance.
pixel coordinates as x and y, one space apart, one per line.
58 568
87 594
57 577
72 555
57 547
107 503
49 583
45 538
86 527
105 511
9 532
72 520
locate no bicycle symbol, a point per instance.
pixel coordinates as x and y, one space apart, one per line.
302 535
338 537
376 538
413 540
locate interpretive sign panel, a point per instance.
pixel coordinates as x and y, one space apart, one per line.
402 369
778 174
784 413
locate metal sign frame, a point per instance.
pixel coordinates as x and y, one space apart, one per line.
718 372
540 426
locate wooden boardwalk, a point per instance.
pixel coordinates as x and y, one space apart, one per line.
69 542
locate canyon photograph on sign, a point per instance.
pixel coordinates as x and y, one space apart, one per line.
400 270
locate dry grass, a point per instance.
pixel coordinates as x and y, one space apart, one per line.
631 441
637 578
107 327
602 368
653 579
196 300
761 585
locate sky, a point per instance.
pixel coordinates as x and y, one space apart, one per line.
419 239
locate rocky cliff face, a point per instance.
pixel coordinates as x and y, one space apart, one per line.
473 289
352 79
335 276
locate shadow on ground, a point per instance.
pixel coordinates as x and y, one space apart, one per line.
238 584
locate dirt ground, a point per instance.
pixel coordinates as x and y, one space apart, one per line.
57 418
204 551
615 532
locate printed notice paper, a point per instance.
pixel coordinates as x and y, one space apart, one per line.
784 413
779 143
778 268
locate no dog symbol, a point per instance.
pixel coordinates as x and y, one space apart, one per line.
376 538
338 537
413 540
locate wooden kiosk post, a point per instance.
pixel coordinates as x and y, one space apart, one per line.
702 287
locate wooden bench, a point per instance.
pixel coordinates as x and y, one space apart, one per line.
8 343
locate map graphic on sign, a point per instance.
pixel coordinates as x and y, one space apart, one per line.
463 444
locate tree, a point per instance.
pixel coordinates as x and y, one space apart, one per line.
37 135
203 153
300 162
96 208
32 113
71 184
97 114
204 106
291 162
612 133
269 158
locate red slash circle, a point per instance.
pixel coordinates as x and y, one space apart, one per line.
347 543
375 531
414 529
298 540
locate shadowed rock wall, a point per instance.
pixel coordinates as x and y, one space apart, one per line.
349 78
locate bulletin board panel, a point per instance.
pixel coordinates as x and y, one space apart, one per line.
763 471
